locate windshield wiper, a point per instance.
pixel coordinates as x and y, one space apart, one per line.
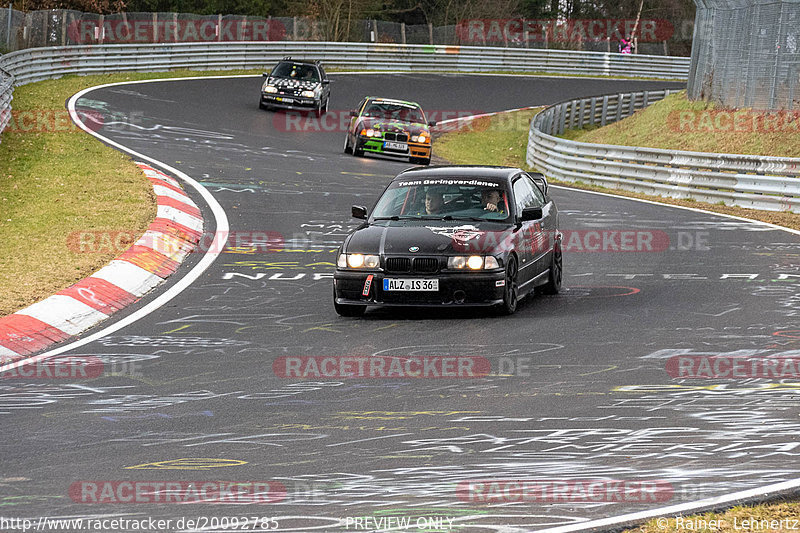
476 219
393 217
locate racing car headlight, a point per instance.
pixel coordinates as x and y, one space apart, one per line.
420 138
490 262
456 262
475 262
270 89
472 262
307 94
357 261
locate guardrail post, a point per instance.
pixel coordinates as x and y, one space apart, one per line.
593 112
430 31
155 27
581 112
102 35
63 27
604 112
8 30
525 33
403 32
646 101
572 108
562 118
620 99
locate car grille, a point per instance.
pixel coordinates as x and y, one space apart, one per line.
421 265
391 136
426 264
398 264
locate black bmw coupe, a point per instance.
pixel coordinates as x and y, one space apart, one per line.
452 236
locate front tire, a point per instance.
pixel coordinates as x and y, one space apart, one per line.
357 150
347 148
511 293
348 310
553 284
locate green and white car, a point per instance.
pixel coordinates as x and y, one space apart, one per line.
389 127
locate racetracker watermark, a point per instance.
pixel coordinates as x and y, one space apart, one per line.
725 120
381 367
29 121
723 367
130 30
564 491
88 242
469 239
70 367
232 492
479 31
339 120
49 120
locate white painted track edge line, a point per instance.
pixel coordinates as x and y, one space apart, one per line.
218 243
686 207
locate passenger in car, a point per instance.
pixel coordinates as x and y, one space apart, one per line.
491 200
434 201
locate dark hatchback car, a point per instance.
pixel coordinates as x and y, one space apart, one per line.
452 236
298 85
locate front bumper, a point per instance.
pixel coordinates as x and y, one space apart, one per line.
290 102
455 289
376 146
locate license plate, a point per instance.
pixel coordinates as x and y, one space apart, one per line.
285 100
389 145
395 284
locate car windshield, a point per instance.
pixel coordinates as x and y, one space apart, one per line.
444 198
395 111
295 71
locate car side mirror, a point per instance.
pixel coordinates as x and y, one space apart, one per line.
432 123
265 75
531 213
359 211
353 114
326 82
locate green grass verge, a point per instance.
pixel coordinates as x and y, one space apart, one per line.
56 180
677 123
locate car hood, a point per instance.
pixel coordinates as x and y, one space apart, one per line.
413 128
292 83
431 237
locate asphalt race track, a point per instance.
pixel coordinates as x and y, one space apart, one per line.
579 388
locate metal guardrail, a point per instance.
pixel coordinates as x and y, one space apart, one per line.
759 182
37 64
6 95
